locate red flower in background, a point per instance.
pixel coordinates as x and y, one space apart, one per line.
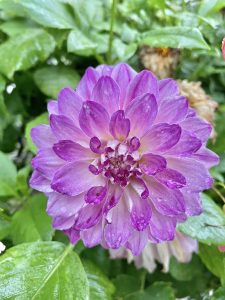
223 48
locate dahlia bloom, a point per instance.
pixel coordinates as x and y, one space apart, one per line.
182 248
123 159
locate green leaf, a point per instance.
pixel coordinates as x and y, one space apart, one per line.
51 80
49 13
209 227
32 222
100 286
31 46
7 176
80 44
207 7
12 8
122 51
22 179
15 27
5 225
42 270
174 37
157 291
213 259
126 284
219 294
42 119
185 271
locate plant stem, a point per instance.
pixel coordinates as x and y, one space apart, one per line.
112 19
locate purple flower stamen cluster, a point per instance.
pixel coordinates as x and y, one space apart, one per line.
123 160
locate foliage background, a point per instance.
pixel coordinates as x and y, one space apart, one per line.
46 45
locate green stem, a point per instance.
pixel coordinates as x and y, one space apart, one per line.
143 278
112 19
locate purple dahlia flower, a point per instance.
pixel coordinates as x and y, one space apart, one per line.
123 159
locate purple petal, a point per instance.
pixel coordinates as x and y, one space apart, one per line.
168 88
53 107
123 74
144 82
151 164
141 212
171 178
64 129
46 162
197 126
142 112
94 119
107 93
104 70
196 175
166 201
95 195
208 157
187 145
113 196
137 242
63 209
71 151
119 126
161 137
117 231
74 235
140 187
40 183
88 216
162 227
42 136
193 203
87 83
70 104
74 179
172 110
92 236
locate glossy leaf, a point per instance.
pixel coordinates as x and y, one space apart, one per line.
42 270
174 37
209 227
32 222
7 176
27 53
51 80
80 44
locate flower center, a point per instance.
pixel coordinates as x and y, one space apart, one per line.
117 161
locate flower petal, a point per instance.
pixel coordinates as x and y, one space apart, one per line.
47 162
208 157
40 183
69 104
87 83
63 209
142 112
42 136
88 216
172 110
95 195
168 88
186 146
196 175
112 198
141 212
193 203
160 137
144 82
92 236
151 164
166 201
71 151
117 232
171 178
107 93
64 129
74 179
137 242
162 228
197 126
74 235
53 107
94 119
123 74
119 126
